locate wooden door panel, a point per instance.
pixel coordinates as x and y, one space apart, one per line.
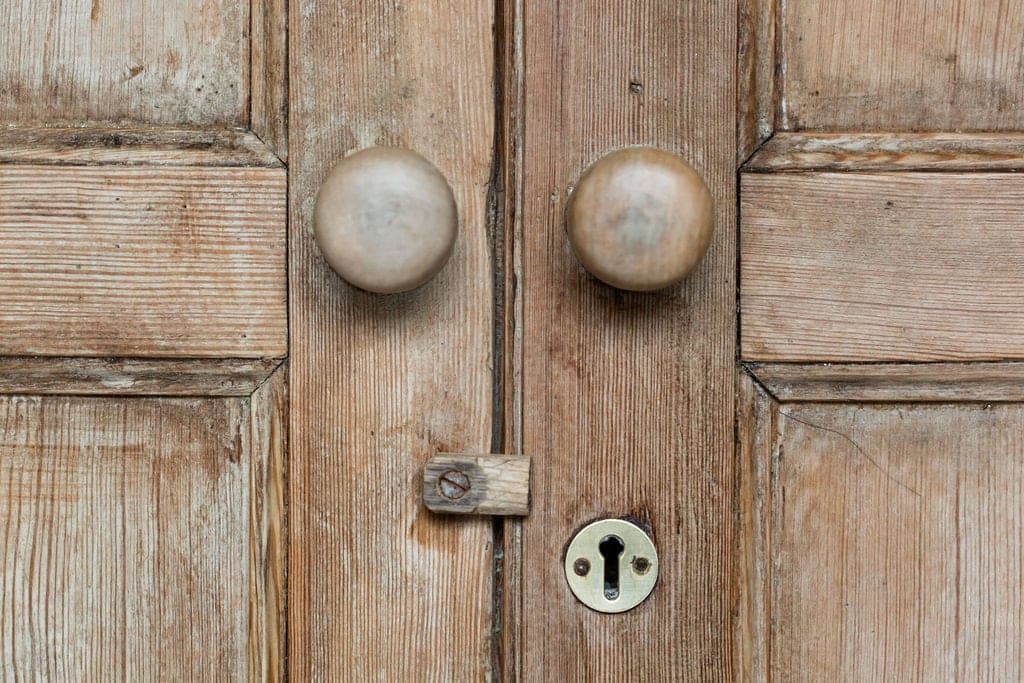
919 65
134 376
134 533
155 61
624 399
881 266
381 588
880 418
135 146
142 261
884 540
873 152
859 382
142 322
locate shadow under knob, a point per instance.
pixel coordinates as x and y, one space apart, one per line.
386 220
640 219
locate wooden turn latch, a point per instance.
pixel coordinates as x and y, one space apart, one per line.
477 484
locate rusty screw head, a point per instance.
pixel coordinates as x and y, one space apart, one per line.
641 565
453 484
581 566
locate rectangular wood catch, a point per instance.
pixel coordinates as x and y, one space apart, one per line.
477 484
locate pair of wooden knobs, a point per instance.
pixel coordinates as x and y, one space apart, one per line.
640 219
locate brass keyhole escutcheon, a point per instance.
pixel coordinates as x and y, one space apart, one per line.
611 565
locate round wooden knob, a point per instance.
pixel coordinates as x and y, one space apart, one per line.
386 220
640 219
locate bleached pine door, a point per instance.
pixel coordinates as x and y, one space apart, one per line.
881 423
143 324
212 446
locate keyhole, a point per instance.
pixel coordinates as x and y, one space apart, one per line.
611 548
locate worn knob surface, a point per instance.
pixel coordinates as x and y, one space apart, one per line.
640 219
386 219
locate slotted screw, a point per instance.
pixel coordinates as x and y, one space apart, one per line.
453 484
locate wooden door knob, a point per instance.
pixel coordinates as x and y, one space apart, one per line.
640 219
386 220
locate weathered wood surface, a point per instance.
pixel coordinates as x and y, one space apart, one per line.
756 428
268 105
507 645
879 65
183 62
268 528
477 484
380 588
142 261
756 101
894 545
133 377
627 400
914 382
865 152
882 267
123 528
133 146
872 65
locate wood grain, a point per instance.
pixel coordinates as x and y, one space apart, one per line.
627 399
133 146
756 100
379 587
175 62
863 152
268 116
756 430
882 267
133 377
507 436
123 527
477 484
896 543
145 261
917 382
878 65
268 529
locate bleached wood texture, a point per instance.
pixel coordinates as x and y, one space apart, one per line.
170 62
268 529
889 152
756 428
134 146
507 645
133 377
123 529
142 261
873 267
915 65
924 382
627 399
268 116
379 588
477 484
756 76
895 542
